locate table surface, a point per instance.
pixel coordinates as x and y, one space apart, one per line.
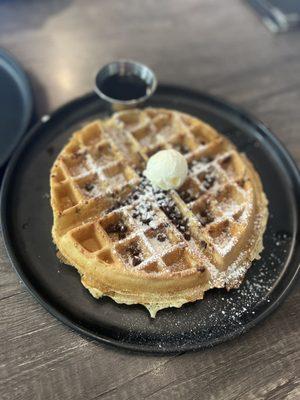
217 46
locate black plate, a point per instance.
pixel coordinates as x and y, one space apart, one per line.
16 105
27 220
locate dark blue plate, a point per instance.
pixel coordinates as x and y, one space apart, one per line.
27 220
15 105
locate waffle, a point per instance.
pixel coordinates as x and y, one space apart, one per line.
141 245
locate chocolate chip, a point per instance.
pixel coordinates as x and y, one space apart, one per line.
135 214
118 228
161 237
79 153
134 250
203 244
208 182
203 221
182 148
187 196
111 228
200 269
205 217
88 187
241 182
182 228
226 160
115 206
187 236
75 155
146 220
136 261
123 228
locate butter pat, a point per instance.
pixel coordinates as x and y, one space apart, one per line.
166 169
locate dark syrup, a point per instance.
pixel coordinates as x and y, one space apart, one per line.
128 87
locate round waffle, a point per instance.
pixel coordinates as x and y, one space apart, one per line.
141 245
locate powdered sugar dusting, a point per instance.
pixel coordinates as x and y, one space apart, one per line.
199 229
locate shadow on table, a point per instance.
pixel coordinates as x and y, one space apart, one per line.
40 98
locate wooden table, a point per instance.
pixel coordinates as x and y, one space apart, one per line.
212 45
